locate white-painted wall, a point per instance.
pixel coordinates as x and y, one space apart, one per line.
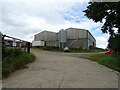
38 43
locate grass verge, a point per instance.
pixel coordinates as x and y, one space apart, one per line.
110 61
55 49
17 59
85 50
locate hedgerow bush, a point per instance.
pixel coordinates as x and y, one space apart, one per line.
15 59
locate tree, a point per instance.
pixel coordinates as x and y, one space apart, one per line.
114 42
109 14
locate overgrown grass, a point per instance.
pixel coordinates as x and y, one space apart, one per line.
15 59
0 70
55 49
111 61
52 49
85 50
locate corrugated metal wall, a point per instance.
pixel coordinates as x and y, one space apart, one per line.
77 43
76 38
62 38
91 41
50 36
73 33
46 36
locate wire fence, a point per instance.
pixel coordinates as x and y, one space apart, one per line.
14 43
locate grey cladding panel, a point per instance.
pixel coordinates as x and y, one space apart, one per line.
77 44
76 34
91 40
82 34
62 36
49 36
46 36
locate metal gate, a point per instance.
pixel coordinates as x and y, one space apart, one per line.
14 43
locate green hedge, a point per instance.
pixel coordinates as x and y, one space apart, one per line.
15 59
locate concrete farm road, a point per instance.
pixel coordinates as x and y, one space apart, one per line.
62 70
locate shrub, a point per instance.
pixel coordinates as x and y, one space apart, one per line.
16 59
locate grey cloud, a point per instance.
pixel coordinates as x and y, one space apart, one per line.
23 20
32 9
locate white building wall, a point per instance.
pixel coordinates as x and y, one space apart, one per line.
38 43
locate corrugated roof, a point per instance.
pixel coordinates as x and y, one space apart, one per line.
45 31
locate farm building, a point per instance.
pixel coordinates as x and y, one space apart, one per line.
71 37
47 37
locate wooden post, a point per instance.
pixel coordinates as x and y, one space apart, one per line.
0 58
28 47
3 46
0 46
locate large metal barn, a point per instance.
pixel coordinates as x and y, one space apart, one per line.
71 38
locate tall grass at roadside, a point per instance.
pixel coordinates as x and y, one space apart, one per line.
0 70
111 61
15 59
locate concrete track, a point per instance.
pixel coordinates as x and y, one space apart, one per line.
62 70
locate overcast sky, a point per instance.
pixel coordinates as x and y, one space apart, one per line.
25 18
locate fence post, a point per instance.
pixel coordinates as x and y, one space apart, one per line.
0 60
0 46
28 47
